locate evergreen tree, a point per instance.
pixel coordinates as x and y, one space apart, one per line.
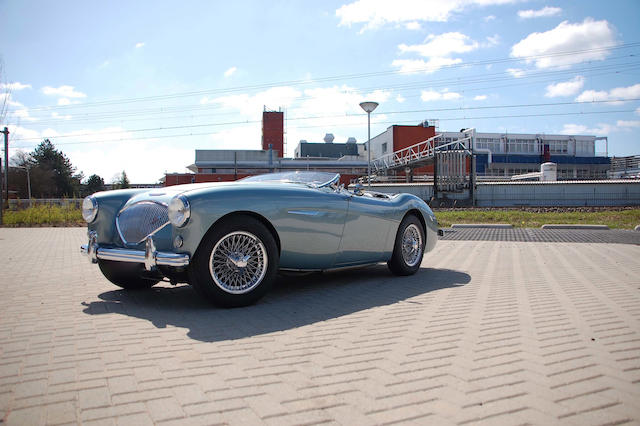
123 182
52 172
94 184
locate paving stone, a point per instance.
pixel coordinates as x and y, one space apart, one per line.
498 327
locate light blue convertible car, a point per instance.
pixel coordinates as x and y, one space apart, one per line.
230 239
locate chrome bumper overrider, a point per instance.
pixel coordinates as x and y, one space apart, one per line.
150 257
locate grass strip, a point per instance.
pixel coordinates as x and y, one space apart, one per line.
44 215
614 218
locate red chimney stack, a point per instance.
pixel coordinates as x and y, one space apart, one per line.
273 131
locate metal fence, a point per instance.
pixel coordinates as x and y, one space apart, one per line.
538 194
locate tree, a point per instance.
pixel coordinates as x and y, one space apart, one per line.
94 184
53 172
122 182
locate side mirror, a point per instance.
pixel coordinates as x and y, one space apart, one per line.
358 189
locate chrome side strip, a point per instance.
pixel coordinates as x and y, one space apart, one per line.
304 212
333 269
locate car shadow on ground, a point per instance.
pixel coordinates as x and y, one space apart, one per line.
294 301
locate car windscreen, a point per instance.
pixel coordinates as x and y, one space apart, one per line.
316 179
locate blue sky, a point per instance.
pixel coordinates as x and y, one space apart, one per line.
138 86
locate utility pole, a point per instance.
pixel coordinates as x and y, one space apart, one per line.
4 184
6 165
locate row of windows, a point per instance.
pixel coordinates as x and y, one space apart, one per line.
563 173
532 146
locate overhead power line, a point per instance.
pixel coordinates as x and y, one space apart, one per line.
539 77
163 136
335 116
327 79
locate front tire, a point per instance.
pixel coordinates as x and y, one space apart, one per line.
409 247
236 262
129 276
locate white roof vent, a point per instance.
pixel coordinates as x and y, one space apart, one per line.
328 138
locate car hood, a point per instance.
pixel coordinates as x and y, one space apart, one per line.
165 194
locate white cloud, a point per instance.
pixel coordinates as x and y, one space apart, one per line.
545 11
565 88
516 72
15 86
19 111
63 91
252 105
19 132
230 71
489 18
630 92
412 66
379 95
638 111
442 45
61 117
438 48
317 111
492 41
443 95
628 124
480 98
139 45
238 137
400 99
8 99
376 13
587 41
602 129
413 25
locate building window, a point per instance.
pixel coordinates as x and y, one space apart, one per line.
384 148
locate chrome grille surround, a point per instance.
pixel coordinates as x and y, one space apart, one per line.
136 221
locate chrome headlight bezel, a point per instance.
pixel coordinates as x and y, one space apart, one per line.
179 211
89 208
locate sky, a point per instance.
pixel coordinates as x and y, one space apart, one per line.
139 86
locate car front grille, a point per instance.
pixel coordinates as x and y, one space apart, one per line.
138 220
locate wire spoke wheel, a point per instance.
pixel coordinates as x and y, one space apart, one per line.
411 245
238 262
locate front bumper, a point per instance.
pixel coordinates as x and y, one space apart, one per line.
150 257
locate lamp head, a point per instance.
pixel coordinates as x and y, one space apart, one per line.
368 106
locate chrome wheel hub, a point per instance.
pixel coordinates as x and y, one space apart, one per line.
238 262
411 245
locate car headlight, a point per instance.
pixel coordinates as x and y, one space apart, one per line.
89 208
179 211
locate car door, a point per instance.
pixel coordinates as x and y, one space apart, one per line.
310 227
366 230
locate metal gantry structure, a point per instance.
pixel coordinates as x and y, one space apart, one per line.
451 171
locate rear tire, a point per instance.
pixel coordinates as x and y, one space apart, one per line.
236 262
409 247
126 275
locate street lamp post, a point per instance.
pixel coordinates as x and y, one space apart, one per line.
368 107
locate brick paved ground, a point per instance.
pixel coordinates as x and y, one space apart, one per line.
618 236
491 332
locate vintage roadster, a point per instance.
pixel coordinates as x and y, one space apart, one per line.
230 239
